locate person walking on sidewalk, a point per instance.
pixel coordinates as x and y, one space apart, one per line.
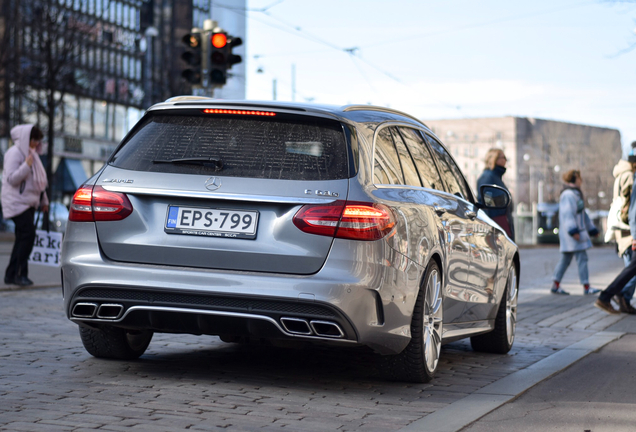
492 175
624 277
23 190
624 179
575 229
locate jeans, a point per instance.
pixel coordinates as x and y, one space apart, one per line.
24 237
628 291
619 283
564 262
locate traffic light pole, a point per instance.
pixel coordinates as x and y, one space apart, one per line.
208 28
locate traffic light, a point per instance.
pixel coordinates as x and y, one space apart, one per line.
193 58
232 58
218 58
221 56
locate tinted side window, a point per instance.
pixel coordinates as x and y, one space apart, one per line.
282 147
423 159
450 172
408 167
386 168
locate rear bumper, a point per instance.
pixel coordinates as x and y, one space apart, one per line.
364 300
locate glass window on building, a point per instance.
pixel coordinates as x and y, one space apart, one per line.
71 114
119 66
134 115
111 63
125 65
100 114
86 117
120 122
126 23
120 13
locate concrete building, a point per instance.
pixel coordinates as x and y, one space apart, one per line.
539 152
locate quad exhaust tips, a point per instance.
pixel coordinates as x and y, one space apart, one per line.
300 326
106 311
84 310
110 311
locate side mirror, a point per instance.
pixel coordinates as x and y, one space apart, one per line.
494 197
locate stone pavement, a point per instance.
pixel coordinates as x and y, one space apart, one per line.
49 382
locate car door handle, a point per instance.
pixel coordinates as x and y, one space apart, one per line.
470 214
439 210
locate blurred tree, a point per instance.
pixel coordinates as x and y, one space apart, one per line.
41 42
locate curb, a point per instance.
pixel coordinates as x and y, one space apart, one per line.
463 412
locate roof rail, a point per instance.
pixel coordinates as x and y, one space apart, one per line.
189 98
377 108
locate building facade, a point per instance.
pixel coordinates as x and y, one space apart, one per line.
539 152
109 60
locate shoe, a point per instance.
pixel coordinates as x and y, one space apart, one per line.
606 307
8 281
624 306
591 291
559 290
23 281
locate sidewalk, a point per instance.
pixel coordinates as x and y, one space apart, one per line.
42 276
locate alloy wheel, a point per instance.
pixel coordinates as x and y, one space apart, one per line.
433 320
511 306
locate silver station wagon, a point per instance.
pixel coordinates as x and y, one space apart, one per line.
246 220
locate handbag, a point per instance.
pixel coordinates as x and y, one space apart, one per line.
46 246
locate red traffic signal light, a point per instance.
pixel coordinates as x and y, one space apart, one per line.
219 40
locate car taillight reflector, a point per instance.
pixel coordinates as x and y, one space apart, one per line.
346 219
94 203
319 219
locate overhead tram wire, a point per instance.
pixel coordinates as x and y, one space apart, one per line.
485 23
298 31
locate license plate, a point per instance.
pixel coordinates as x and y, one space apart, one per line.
211 222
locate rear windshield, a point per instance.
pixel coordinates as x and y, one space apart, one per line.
285 147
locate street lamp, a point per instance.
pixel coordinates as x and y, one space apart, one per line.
150 33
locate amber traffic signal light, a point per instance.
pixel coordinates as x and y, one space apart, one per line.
193 58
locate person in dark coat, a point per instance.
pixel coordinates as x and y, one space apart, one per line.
492 175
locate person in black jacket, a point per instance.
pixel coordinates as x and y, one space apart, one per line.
492 175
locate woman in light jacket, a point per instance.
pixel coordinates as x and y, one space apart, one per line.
575 229
23 190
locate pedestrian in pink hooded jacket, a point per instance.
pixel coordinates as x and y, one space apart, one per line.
23 190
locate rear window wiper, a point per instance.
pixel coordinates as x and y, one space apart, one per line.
208 162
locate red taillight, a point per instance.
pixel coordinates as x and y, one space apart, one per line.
346 219
94 203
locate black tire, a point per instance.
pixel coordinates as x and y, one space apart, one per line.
114 342
501 338
419 360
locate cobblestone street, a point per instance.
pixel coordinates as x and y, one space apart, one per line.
49 382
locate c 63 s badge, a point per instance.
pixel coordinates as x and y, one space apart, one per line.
322 193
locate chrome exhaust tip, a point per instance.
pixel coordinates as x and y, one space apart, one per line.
296 326
327 329
110 311
84 310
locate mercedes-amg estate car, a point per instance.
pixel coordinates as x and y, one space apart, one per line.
345 225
